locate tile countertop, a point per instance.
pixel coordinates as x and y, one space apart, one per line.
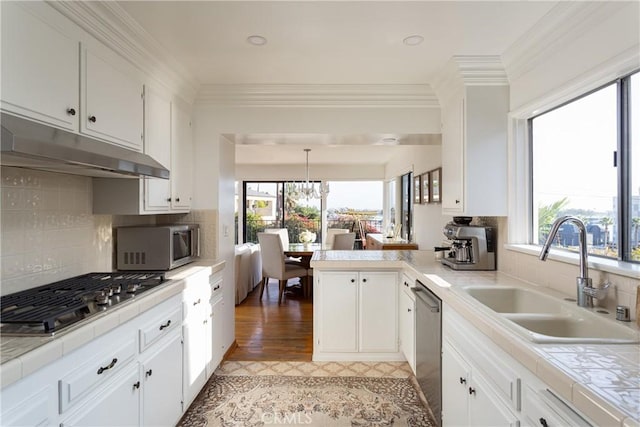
20 356
602 381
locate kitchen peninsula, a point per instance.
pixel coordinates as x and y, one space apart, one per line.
523 380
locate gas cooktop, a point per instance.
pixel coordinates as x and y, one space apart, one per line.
48 309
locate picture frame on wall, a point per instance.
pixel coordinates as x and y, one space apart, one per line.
435 185
426 191
417 189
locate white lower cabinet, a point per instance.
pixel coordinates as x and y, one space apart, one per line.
217 331
162 383
467 397
356 312
118 403
407 323
34 410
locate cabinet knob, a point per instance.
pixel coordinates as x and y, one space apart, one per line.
463 380
353 280
169 199
136 384
197 302
177 199
543 422
92 119
406 284
71 111
472 390
364 280
409 310
148 373
457 202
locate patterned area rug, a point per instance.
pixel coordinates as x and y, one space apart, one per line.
261 400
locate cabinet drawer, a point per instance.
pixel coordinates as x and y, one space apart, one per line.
74 387
158 328
543 408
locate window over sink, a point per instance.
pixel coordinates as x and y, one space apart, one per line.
585 161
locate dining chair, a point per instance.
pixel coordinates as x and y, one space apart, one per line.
283 233
331 233
344 242
273 265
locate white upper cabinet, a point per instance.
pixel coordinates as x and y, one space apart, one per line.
181 157
112 99
474 97
157 144
54 73
31 86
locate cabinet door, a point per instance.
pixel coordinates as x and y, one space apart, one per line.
217 346
408 328
194 357
455 384
32 411
181 158
485 408
162 385
112 99
337 307
117 405
453 156
157 144
378 312
31 86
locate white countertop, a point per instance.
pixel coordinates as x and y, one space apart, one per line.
602 381
20 356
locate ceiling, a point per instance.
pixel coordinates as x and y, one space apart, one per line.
328 42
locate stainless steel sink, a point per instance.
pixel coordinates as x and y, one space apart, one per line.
546 318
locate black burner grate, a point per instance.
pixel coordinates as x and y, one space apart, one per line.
47 304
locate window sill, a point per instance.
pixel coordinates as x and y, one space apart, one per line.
621 268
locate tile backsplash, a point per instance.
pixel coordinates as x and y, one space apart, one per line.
48 230
49 233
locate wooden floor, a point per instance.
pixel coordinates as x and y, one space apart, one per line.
266 330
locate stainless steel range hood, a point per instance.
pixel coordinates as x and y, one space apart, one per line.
36 146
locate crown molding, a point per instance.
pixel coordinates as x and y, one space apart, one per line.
557 29
320 95
112 26
469 70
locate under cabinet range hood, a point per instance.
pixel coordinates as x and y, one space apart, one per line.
33 145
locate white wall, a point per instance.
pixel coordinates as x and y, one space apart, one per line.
428 220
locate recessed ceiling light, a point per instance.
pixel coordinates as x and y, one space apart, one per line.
413 40
256 40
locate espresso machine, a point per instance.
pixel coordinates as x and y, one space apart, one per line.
472 247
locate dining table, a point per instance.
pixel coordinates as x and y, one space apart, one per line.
304 251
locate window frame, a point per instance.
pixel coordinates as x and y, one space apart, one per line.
622 159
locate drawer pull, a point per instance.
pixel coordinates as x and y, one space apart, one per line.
216 288
109 366
71 111
543 422
92 119
463 380
136 384
148 373
197 302
472 390
166 325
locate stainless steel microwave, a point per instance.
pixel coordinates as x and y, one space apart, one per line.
157 247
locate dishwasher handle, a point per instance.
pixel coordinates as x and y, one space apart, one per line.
427 298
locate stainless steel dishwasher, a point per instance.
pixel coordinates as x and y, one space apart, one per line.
429 347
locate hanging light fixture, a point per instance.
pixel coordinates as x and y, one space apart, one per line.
308 189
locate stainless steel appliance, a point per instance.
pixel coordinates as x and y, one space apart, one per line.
32 145
157 247
429 347
48 309
472 247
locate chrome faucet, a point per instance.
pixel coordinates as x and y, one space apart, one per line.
584 288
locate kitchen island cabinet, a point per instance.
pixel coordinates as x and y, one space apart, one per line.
355 316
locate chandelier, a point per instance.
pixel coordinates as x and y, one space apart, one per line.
308 189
